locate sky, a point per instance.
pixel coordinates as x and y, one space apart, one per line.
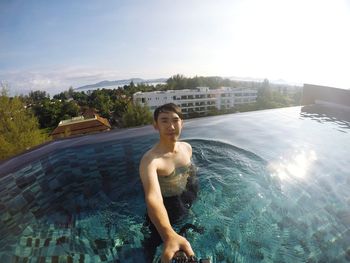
52 45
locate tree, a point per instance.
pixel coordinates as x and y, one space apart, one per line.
177 81
100 100
19 129
70 92
49 113
65 95
181 82
70 109
264 99
136 115
81 98
37 96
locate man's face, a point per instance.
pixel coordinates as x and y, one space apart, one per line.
169 125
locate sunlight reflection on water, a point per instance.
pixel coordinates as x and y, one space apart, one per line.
296 166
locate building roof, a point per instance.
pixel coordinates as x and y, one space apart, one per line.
81 125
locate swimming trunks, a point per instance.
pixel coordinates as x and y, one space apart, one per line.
175 183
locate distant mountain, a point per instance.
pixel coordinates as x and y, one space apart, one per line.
120 83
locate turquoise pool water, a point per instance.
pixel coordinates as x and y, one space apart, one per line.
274 187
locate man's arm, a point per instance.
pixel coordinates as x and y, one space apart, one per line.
158 214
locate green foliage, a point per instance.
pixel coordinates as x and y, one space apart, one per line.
179 81
113 104
101 100
129 90
110 104
120 106
81 98
268 98
136 115
69 109
19 129
296 98
37 96
65 95
51 112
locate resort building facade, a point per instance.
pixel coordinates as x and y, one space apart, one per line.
200 100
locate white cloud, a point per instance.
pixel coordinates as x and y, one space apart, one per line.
54 81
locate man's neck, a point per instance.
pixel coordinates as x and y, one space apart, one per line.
167 146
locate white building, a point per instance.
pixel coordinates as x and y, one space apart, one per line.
200 100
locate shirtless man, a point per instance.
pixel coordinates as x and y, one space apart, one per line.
165 178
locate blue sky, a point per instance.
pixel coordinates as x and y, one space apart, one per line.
51 45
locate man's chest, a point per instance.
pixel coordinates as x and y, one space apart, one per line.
167 165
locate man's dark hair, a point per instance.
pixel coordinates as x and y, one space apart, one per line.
169 107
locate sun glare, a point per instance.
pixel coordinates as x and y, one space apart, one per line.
295 167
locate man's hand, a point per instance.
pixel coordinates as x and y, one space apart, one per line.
173 244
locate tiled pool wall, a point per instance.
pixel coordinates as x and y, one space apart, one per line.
54 190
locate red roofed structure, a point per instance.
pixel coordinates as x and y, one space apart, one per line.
81 125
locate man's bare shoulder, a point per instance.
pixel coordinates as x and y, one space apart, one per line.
149 157
187 146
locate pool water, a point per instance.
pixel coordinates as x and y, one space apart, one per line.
274 187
